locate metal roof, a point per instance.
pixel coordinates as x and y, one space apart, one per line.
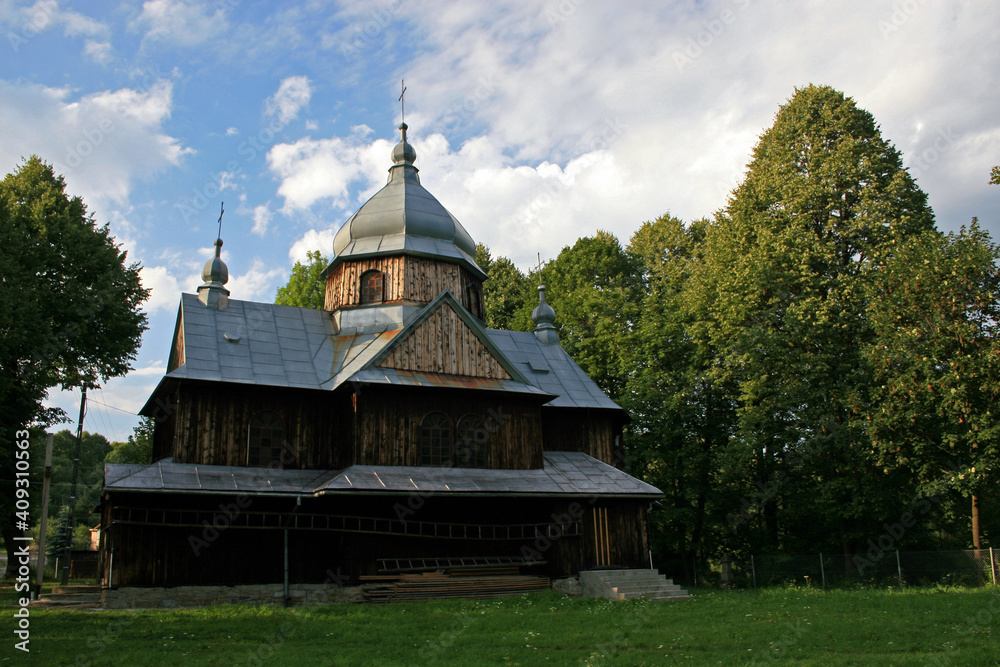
282 346
551 369
403 217
256 343
564 473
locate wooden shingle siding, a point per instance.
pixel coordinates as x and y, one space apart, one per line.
388 426
443 343
406 278
212 427
590 432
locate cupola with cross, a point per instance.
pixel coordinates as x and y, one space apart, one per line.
399 251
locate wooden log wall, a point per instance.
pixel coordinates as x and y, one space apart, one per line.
592 432
213 426
615 535
388 425
343 285
164 416
443 343
173 555
177 357
405 278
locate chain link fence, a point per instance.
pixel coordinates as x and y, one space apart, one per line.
889 568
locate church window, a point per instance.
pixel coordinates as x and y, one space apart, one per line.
471 443
372 284
474 293
435 439
267 437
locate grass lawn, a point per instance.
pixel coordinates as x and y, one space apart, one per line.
800 625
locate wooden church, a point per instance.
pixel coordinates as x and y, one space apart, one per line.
391 431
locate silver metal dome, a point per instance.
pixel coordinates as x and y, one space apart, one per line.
404 218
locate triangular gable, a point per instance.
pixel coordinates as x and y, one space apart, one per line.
177 355
446 339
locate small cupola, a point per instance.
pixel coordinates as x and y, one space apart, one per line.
400 250
543 316
213 292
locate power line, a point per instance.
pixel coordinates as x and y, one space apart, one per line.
128 412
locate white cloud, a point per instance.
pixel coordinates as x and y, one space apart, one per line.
231 131
101 142
314 239
181 23
261 219
292 96
312 170
257 283
165 288
99 52
24 23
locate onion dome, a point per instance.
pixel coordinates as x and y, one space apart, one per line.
543 316
404 218
213 292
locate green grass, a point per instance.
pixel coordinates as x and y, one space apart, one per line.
802 626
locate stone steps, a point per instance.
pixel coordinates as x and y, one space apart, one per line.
84 597
630 584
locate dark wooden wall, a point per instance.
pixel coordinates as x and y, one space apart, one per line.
212 425
613 534
388 424
405 278
592 432
443 343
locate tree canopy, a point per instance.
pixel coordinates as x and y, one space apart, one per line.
71 305
305 287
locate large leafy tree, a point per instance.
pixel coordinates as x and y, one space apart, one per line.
94 450
595 288
681 416
935 359
305 287
505 293
71 305
788 267
138 448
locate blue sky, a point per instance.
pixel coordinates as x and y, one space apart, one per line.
535 123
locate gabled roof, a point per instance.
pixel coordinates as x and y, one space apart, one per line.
255 343
282 346
551 369
563 474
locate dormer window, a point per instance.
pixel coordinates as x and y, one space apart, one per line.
372 283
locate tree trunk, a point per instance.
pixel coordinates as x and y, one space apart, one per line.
976 541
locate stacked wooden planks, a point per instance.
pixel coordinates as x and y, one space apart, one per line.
435 585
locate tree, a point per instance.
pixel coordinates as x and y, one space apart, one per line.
138 448
681 417
505 293
595 288
788 267
306 287
935 360
71 308
995 177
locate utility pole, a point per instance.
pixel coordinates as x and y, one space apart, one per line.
64 579
46 480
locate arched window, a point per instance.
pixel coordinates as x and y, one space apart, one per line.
267 436
372 288
472 442
435 439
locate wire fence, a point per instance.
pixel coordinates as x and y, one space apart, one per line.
890 568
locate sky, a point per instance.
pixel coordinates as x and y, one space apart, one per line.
535 123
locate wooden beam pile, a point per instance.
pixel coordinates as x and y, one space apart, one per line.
437 585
